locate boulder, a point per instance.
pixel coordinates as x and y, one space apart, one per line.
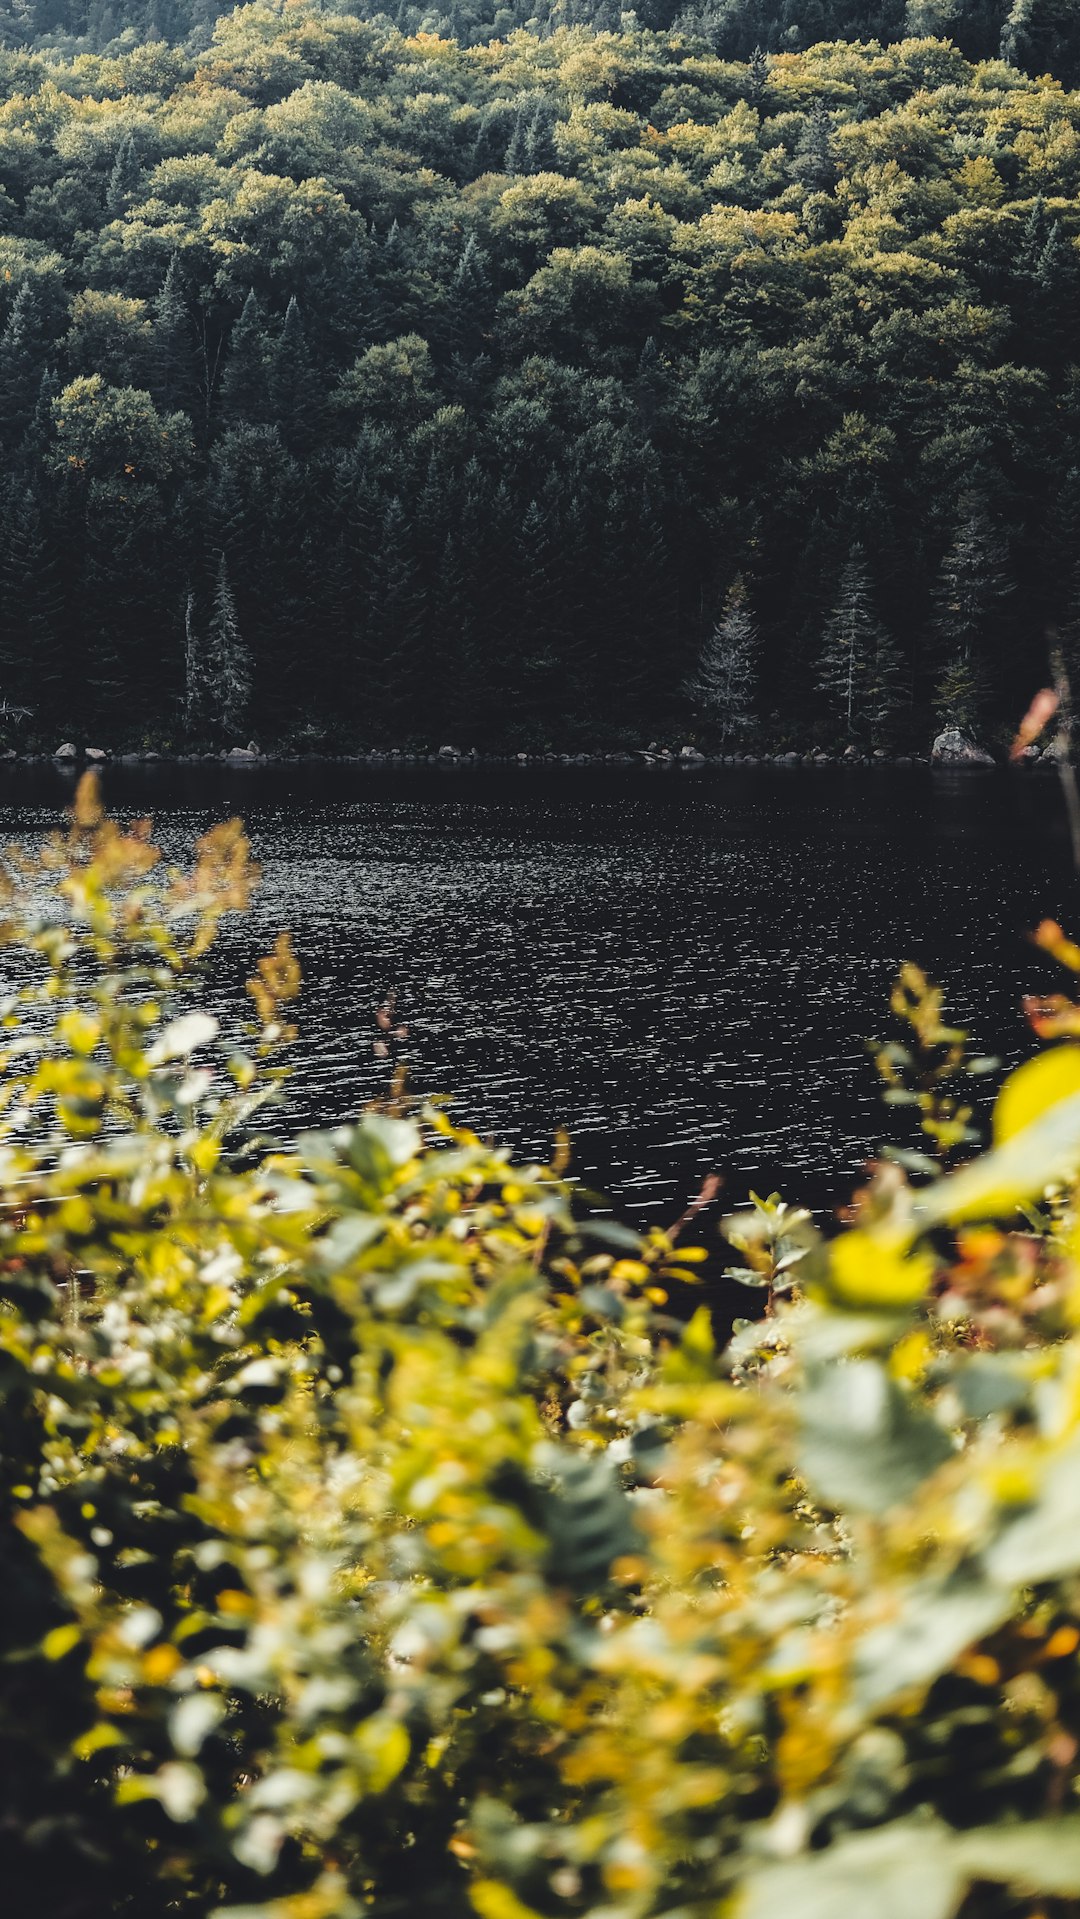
691 754
65 752
95 753
449 753
953 748
242 753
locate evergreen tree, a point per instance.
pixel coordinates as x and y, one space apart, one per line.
38 437
757 75
541 153
228 659
124 180
517 152
172 361
722 687
20 363
971 587
31 605
295 389
470 304
815 157
196 674
245 391
852 667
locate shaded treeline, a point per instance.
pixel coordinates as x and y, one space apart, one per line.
391 387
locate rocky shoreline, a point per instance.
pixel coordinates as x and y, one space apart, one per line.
950 750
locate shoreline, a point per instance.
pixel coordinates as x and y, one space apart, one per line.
684 760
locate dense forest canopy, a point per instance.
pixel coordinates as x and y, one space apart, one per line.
400 383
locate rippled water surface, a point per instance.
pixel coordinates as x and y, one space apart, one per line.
679 968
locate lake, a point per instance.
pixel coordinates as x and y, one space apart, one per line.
680 968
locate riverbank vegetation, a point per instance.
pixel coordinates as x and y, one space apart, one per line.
379 1541
484 378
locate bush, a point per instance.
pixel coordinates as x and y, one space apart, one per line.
378 1541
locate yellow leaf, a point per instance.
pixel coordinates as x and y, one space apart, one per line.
870 1270
60 1641
1032 1089
493 1901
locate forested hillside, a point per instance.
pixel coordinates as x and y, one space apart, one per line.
393 385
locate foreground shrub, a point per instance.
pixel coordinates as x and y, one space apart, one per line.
376 1540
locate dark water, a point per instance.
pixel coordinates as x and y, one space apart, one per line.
679 968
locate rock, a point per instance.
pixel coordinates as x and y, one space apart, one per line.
96 753
242 753
449 753
850 753
253 748
953 748
9 753
65 752
151 755
691 753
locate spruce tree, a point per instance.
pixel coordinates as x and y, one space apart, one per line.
757 75
172 357
541 153
971 587
196 668
815 158
722 686
517 152
228 659
245 391
31 605
124 180
852 672
470 303
295 391
20 363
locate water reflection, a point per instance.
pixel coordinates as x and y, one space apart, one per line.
678 969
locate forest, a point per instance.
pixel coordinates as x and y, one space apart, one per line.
532 377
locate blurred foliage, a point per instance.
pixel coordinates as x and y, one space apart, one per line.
377 1540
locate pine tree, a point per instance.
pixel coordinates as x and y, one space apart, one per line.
721 688
294 386
757 75
517 156
229 662
245 391
971 587
124 180
470 304
541 153
20 363
815 159
852 667
38 437
31 604
196 675
172 361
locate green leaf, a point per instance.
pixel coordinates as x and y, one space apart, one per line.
1043 1540
864 1446
935 1622
1041 1856
910 1866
